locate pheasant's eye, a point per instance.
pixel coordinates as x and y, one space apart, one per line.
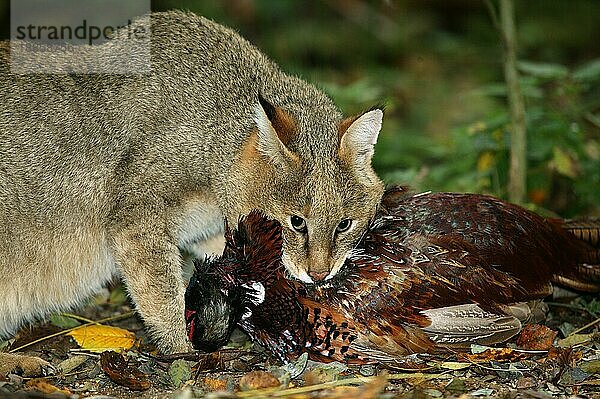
344 225
298 223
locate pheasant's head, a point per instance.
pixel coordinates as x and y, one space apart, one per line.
212 305
225 290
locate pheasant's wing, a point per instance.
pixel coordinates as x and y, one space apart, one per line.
456 273
507 237
463 325
435 271
440 284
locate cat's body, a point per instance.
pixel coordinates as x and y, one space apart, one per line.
112 175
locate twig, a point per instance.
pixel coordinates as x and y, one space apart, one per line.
593 323
80 318
277 392
82 352
112 318
493 14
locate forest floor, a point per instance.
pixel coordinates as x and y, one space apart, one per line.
560 361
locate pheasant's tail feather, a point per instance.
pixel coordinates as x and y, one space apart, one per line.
587 230
585 275
586 278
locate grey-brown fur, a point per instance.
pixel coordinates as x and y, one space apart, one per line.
104 175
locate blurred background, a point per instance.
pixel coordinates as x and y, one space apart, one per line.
437 66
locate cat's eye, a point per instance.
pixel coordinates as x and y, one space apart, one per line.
344 225
298 223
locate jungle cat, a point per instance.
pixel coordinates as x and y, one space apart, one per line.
105 175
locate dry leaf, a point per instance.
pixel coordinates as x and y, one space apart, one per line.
590 366
215 384
118 369
563 356
452 365
99 338
210 361
575 339
258 380
72 363
536 337
40 384
370 390
496 354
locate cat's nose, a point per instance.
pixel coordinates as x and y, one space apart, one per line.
318 276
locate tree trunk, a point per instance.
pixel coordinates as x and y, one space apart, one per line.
517 183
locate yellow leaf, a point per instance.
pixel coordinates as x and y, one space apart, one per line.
476 127
99 338
564 163
486 161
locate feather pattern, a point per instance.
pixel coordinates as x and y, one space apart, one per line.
432 271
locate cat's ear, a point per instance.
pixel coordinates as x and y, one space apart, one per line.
358 137
275 130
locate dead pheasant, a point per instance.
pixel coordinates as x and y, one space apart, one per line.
432 271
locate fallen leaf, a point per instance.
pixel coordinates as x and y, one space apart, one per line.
563 356
208 361
40 384
100 338
370 390
575 339
475 348
536 337
318 373
66 366
179 372
457 385
64 322
367 370
590 366
526 382
434 393
452 365
297 367
258 380
215 384
496 354
482 392
118 369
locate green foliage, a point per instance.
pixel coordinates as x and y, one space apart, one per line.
562 126
437 68
563 147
